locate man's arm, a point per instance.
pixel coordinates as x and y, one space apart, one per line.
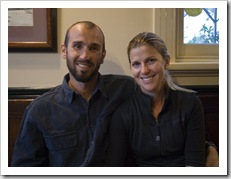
29 149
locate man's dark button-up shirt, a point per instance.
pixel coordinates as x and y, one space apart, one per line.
61 129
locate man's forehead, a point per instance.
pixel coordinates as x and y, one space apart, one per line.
82 28
81 34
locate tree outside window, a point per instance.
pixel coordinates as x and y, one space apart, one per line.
201 26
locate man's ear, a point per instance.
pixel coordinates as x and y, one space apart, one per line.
63 51
103 56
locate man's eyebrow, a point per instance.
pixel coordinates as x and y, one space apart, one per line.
77 41
96 44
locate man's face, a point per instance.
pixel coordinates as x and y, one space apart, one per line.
84 53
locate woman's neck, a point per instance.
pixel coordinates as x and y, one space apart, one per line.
158 103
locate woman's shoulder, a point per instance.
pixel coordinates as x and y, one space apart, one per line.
185 96
182 93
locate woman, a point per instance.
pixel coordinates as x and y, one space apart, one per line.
162 124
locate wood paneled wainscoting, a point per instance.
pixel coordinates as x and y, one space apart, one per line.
19 98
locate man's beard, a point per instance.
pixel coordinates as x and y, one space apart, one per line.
79 77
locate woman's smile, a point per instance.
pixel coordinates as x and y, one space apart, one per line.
147 78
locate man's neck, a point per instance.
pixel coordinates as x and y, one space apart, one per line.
85 89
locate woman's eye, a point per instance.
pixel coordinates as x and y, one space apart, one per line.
135 65
151 61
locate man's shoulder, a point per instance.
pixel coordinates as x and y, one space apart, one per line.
113 77
118 85
50 94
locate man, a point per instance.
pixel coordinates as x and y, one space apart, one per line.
68 125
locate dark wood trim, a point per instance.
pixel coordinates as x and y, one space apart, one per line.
195 72
204 89
24 92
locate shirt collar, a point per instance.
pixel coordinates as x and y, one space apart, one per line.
148 99
71 93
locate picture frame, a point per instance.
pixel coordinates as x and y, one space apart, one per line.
40 37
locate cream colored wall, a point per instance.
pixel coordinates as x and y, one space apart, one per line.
48 69
119 26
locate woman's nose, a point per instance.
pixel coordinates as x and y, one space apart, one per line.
144 69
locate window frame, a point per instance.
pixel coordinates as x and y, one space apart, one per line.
193 52
166 22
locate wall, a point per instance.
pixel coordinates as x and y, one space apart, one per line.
48 69
119 25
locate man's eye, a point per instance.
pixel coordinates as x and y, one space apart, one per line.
77 46
95 48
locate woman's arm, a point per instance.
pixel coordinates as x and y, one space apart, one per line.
195 135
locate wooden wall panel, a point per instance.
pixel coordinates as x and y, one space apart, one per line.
211 108
16 108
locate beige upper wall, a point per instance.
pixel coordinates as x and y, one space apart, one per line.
48 69
119 26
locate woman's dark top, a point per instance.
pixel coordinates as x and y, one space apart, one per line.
175 139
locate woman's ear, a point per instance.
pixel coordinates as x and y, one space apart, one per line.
167 62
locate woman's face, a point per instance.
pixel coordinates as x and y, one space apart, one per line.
148 66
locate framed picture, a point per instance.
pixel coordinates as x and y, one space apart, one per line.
32 30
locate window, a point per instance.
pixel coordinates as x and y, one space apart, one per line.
193 52
185 58
201 26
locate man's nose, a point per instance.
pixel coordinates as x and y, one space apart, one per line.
85 53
